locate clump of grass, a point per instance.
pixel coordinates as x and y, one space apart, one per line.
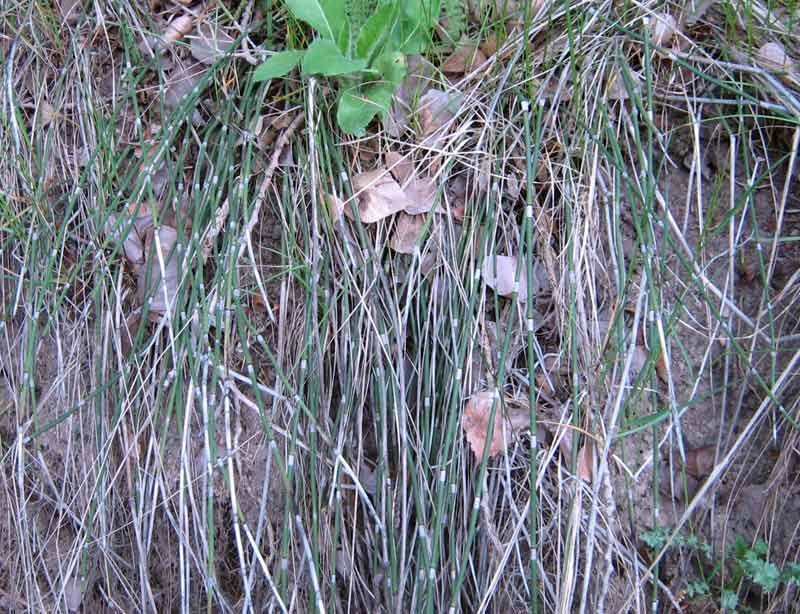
290 435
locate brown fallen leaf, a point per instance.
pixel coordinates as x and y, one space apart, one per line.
499 273
490 44
663 27
407 231
773 56
283 120
209 43
160 285
551 373
182 79
457 194
73 595
584 466
421 193
640 356
465 58
661 367
420 190
700 462
261 306
418 79
70 10
475 423
268 129
399 165
436 108
484 173
45 114
379 196
139 249
140 219
617 88
178 28
513 186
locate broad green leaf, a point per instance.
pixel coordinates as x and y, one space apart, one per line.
357 109
336 12
374 32
411 37
391 66
354 113
380 94
313 14
423 12
324 58
278 65
344 39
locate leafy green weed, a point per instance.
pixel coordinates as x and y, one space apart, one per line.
369 63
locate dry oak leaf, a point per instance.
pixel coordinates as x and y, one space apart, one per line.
700 462
418 78
140 250
210 43
457 191
161 285
584 466
489 46
399 165
407 232
133 227
492 45
178 28
45 114
73 596
70 10
465 58
475 423
499 273
420 190
436 108
180 82
379 196
663 27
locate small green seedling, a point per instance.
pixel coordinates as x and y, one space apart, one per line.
369 63
750 563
